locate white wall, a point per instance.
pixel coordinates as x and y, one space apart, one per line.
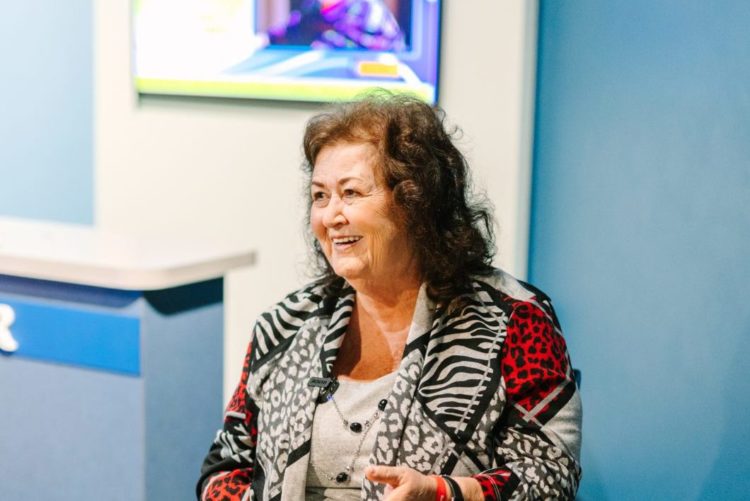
225 169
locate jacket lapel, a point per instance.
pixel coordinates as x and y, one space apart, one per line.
328 340
436 357
400 400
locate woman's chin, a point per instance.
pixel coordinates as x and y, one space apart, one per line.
349 275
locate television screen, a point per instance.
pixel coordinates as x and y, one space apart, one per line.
299 50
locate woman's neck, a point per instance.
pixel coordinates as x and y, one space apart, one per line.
389 316
377 332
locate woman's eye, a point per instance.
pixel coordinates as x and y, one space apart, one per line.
349 193
318 196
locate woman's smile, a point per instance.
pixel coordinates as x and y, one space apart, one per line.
344 243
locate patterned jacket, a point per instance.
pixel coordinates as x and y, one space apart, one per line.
483 389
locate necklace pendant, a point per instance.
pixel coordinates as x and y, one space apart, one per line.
342 477
355 427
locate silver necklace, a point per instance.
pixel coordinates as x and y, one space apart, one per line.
355 427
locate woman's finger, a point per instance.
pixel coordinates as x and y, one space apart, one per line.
403 483
391 475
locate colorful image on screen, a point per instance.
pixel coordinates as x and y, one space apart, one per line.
299 50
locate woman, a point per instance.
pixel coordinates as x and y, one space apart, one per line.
412 369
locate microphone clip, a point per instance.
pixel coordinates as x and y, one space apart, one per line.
327 385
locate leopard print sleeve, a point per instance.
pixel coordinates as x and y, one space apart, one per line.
537 440
228 468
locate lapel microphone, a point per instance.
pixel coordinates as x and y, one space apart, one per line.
327 385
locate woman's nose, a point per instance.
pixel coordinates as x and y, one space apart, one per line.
334 215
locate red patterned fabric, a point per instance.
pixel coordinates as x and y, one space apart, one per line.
537 375
238 403
534 358
228 487
495 483
239 426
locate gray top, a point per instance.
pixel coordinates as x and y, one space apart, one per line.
333 444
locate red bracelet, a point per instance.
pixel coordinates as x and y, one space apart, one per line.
442 491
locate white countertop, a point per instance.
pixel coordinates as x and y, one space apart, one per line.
84 255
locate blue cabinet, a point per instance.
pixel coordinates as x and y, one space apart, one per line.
111 394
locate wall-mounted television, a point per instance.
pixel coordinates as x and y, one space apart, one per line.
297 50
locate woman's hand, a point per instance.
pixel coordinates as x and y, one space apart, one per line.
403 483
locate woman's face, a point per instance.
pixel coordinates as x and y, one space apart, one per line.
354 218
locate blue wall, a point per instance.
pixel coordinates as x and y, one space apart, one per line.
641 234
46 123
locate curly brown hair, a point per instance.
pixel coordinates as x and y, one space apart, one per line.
451 234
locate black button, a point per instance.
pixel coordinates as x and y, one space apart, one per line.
355 427
382 404
341 478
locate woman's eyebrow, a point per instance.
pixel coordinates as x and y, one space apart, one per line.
341 181
345 180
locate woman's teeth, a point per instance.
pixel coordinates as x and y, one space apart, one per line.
345 240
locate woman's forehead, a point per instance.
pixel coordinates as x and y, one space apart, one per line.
343 160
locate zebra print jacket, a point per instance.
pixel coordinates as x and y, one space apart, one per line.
484 389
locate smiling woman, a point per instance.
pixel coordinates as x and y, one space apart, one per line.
355 220
417 160
411 369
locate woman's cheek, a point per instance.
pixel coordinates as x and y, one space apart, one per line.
377 251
